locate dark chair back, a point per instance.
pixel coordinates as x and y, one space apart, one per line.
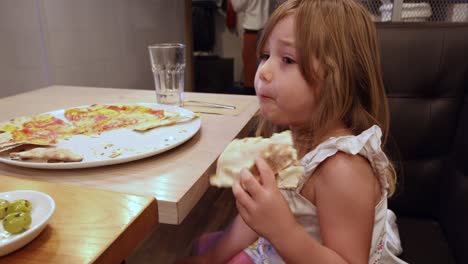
454 192
425 71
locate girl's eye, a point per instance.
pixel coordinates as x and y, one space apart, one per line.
288 60
264 56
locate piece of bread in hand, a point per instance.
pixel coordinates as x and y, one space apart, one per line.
277 151
277 156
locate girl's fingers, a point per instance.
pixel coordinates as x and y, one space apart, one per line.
242 196
249 183
266 174
242 211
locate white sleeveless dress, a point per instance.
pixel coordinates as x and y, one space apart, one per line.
385 239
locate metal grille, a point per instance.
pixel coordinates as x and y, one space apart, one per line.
418 10
373 6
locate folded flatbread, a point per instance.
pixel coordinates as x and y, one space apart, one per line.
46 155
278 152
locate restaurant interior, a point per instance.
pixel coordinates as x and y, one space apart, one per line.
152 206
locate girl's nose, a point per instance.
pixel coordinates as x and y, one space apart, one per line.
265 74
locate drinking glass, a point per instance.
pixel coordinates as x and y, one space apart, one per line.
168 65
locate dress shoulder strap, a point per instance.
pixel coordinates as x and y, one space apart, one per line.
367 144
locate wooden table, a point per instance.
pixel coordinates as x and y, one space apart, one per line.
177 178
88 225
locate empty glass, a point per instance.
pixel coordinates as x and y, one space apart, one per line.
168 65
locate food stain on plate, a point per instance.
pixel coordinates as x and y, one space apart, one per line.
108 145
115 154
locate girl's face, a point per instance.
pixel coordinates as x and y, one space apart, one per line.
284 95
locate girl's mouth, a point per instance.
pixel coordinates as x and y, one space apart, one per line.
264 97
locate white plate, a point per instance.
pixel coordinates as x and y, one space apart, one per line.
131 145
43 208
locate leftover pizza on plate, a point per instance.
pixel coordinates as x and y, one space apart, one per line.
43 131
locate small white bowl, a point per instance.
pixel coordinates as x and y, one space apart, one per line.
43 207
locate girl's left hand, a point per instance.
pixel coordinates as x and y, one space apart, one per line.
261 205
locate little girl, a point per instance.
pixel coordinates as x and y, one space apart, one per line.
319 75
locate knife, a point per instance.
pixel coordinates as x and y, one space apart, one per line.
211 104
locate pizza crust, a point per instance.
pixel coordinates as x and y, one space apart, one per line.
5 138
7 142
46 155
145 126
277 151
170 119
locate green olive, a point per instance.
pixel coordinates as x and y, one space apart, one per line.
20 206
3 208
17 222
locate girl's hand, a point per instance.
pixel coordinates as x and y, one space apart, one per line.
261 205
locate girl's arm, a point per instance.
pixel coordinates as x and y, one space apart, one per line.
236 238
344 191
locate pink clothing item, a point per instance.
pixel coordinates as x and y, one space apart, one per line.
241 258
206 241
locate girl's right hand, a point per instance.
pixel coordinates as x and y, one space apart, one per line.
193 260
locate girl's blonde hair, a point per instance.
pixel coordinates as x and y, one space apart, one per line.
341 37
